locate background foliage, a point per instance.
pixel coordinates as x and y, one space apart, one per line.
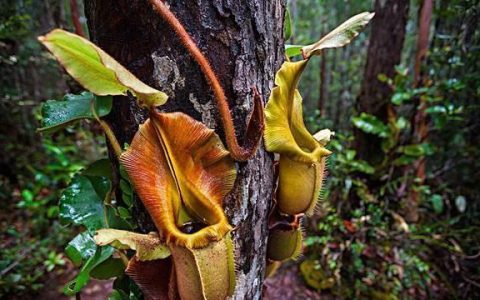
361 238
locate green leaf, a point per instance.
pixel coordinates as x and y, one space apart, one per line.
126 188
115 220
401 70
371 124
127 288
124 213
27 195
112 267
81 248
417 150
382 77
127 199
314 275
341 35
287 25
97 71
118 295
362 166
437 203
101 186
350 154
362 191
147 246
99 168
436 109
293 50
401 123
82 278
82 203
57 114
413 150
400 98
404 160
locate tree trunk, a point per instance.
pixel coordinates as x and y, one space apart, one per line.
420 126
323 85
424 21
244 44
292 5
322 92
384 52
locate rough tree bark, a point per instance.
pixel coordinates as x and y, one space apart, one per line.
384 52
243 41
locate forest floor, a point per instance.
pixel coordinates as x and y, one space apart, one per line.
95 289
285 285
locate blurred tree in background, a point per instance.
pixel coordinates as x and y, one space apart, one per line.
33 169
384 229
400 216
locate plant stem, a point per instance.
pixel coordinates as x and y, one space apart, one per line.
123 257
111 137
252 139
108 132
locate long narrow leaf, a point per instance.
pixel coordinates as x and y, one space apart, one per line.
97 71
341 35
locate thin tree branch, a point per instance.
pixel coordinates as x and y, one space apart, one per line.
76 18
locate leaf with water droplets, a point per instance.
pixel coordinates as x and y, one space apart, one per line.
83 277
82 203
57 114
